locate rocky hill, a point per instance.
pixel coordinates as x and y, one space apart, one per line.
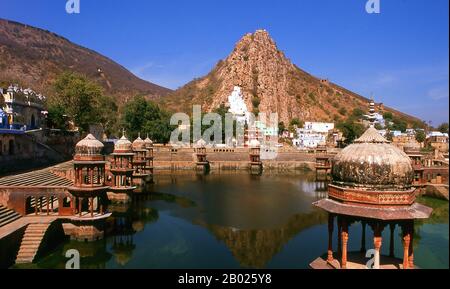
270 83
33 57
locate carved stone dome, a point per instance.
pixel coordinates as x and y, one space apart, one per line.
372 162
89 146
201 143
148 142
123 145
139 144
254 143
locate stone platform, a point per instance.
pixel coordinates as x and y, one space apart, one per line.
357 260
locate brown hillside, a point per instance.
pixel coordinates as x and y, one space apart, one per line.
33 57
267 77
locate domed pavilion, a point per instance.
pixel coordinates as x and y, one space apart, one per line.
150 156
89 186
140 161
372 184
255 163
122 168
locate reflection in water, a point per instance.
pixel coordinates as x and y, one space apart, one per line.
231 221
255 248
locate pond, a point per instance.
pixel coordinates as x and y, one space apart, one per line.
235 220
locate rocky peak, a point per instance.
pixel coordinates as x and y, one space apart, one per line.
269 83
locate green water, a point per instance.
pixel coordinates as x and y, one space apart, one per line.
234 221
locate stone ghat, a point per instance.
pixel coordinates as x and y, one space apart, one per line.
230 159
233 159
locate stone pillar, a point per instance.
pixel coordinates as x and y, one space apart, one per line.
91 206
80 202
377 242
391 245
406 243
344 237
48 205
330 237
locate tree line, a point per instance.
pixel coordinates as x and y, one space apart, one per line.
83 102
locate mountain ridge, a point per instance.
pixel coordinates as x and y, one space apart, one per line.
33 57
271 83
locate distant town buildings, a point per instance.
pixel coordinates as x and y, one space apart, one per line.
21 109
312 135
438 141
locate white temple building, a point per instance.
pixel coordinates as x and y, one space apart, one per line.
237 106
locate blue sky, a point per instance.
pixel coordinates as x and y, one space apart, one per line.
400 55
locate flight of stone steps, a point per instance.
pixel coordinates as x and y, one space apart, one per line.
7 216
31 242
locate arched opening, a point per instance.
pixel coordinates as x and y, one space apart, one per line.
66 202
11 147
30 205
33 122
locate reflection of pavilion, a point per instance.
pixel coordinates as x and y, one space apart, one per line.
123 247
124 224
255 248
93 255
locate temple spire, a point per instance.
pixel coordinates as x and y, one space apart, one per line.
372 117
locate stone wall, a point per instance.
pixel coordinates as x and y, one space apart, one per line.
26 153
229 159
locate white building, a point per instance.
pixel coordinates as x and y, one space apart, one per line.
312 135
237 106
319 127
436 134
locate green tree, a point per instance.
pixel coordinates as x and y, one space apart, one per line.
281 127
351 130
256 101
388 115
82 101
390 136
56 117
222 111
357 113
378 126
443 127
399 124
146 117
296 122
420 136
342 111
